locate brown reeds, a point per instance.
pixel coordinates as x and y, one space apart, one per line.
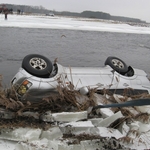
66 98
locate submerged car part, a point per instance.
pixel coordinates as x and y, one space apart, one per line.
38 78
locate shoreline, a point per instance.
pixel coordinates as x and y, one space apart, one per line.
72 23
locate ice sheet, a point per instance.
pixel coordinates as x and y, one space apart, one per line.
57 22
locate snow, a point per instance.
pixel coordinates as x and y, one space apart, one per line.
57 22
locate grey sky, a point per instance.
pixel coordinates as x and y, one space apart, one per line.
129 8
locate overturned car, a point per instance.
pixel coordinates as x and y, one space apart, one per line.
38 77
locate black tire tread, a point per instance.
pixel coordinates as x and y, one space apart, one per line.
121 71
39 73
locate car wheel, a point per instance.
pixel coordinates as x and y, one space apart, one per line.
117 64
37 65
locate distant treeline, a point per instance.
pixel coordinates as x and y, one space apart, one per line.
86 14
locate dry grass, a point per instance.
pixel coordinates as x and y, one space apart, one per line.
64 100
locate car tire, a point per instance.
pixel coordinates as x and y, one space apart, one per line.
37 65
117 64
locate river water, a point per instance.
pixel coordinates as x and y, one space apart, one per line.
71 47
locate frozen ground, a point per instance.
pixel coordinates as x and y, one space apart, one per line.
28 21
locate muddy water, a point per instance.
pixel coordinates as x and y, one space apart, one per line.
72 48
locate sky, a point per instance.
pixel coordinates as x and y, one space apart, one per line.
129 8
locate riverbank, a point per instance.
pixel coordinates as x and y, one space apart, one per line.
57 22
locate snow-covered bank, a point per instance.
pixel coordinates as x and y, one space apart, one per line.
26 21
127 128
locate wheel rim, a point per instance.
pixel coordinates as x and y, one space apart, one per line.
38 63
117 63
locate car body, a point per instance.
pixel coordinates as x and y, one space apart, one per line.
50 14
33 86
